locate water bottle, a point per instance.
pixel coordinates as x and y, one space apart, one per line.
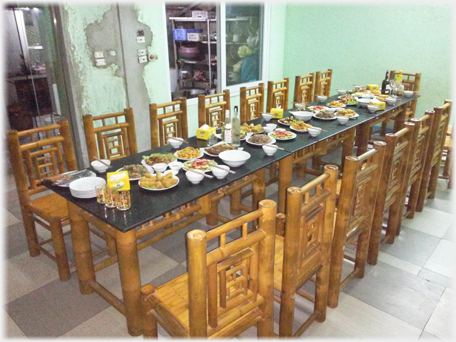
236 127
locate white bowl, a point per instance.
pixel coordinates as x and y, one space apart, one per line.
314 131
322 98
160 167
304 115
219 173
269 150
176 165
99 166
266 129
234 158
193 177
363 102
342 119
300 105
332 110
341 91
408 93
390 100
372 108
266 116
273 126
174 142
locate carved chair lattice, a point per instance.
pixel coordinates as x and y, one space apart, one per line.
211 108
168 120
304 88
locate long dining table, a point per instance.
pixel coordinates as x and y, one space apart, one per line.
124 228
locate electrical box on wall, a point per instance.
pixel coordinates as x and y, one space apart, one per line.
141 52
142 59
140 38
100 62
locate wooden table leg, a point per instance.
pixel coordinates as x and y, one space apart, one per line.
400 118
130 279
285 174
363 137
82 250
259 188
348 145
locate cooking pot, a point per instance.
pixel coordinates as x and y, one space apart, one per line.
189 52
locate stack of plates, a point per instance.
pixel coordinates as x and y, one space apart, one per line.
85 187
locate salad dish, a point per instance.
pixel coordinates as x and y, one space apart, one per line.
317 108
204 165
282 135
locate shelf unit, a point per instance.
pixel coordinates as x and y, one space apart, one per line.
208 48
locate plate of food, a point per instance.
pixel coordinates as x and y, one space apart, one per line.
188 153
336 104
215 150
66 178
300 126
159 181
287 121
204 165
282 135
348 99
251 128
260 139
363 94
135 171
348 112
156 158
317 108
325 115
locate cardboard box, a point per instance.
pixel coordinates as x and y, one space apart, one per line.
205 134
194 37
277 113
199 14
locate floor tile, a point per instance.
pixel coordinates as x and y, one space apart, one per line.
398 263
442 260
167 276
356 319
8 218
430 221
54 309
397 293
441 323
436 278
426 336
26 274
15 240
449 235
443 201
11 330
412 246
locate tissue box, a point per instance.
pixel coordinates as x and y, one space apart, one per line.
379 104
277 113
372 87
204 134
119 180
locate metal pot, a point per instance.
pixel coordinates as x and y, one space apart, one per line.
189 52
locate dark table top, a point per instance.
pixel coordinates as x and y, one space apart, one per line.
148 205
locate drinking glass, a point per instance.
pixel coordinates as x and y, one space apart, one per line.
110 197
394 87
100 190
123 199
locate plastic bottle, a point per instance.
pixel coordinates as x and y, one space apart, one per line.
227 129
236 127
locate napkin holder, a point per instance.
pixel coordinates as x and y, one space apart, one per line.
372 87
277 113
380 104
204 134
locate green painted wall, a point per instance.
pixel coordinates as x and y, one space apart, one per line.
360 42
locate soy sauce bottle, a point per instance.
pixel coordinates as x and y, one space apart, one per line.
385 83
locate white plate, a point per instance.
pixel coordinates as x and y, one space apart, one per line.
324 119
134 179
145 164
277 139
336 106
213 155
298 130
210 168
201 154
313 108
163 188
271 142
91 174
82 188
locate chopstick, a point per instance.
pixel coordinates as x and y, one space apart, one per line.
221 168
277 147
109 166
200 173
178 139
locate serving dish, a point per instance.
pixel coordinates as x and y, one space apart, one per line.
162 177
257 144
203 165
277 135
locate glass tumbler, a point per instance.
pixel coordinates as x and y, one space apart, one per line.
123 200
100 190
110 197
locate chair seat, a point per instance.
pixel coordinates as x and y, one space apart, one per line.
52 205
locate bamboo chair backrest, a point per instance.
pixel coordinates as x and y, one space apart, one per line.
234 281
439 130
410 81
168 120
278 94
323 83
309 228
47 151
252 102
211 108
304 88
424 125
110 136
358 191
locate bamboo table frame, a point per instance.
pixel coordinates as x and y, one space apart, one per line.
126 238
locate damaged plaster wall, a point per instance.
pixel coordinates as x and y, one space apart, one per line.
99 90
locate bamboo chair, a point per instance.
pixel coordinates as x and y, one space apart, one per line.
305 249
41 156
410 82
252 102
395 176
278 94
225 291
304 88
355 210
110 136
431 168
322 83
170 123
448 154
418 153
211 108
